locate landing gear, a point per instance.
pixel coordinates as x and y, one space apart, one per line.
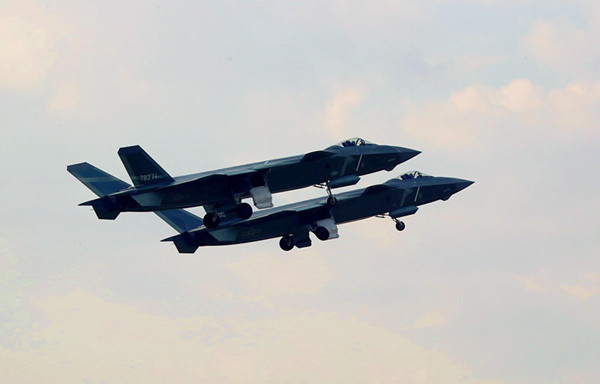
211 220
244 211
322 233
400 225
331 201
286 243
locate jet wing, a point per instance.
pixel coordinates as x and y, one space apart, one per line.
259 180
254 169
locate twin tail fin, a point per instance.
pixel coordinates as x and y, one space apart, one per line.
142 169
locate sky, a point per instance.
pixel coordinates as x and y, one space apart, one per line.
499 284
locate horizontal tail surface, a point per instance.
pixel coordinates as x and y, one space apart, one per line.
180 220
183 222
98 181
142 169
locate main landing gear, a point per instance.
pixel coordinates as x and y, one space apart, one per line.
244 211
286 243
212 219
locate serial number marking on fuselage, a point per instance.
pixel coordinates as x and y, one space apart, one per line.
148 177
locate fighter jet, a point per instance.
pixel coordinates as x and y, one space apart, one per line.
396 198
221 192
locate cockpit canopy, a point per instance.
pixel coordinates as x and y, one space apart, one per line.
412 175
353 142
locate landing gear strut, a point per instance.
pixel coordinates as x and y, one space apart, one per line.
399 224
331 200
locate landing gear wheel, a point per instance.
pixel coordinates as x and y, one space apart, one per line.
286 243
244 211
211 220
400 225
331 201
322 233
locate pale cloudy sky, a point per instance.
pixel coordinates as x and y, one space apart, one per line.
500 284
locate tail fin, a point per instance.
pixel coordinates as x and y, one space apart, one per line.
142 169
100 182
183 222
180 220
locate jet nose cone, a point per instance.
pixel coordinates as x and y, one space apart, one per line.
407 153
462 184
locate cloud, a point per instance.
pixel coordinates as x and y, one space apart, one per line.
67 97
131 89
338 110
475 62
14 311
562 46
587 287
583 287
87 339
28 44
431 319
471 114
575 108
531 283
271 275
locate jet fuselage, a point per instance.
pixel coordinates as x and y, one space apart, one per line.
296 220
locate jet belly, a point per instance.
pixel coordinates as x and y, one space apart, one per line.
287 222
149 200
184 195
304 174
365 206
250 231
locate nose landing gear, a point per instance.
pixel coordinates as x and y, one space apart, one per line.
331 200
399 225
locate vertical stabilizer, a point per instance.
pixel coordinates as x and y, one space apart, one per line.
142 169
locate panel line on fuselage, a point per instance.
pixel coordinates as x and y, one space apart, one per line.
358 165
